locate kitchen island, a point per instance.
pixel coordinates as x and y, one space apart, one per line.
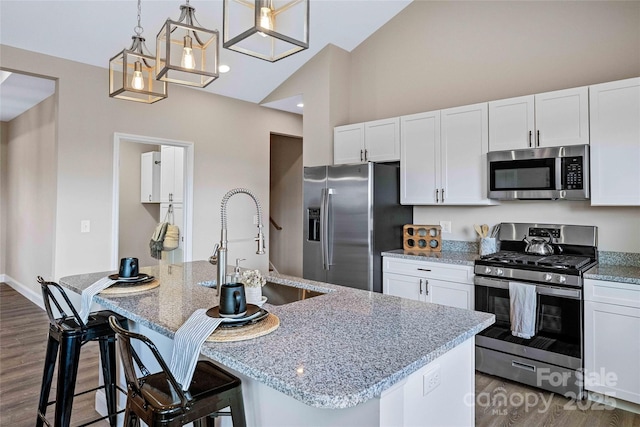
344 358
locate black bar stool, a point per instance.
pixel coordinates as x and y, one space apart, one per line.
69 333
158 400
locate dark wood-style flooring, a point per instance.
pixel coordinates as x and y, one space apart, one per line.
23 335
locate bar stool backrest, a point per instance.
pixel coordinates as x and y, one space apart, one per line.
129 357
49 289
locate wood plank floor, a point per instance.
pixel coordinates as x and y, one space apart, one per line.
23 334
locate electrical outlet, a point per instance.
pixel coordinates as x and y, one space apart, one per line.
85 226
446 226
431 380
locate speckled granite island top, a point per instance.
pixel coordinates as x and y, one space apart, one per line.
447 257
332 351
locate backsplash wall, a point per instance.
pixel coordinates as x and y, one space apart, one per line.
618 227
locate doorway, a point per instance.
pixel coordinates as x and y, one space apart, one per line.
285 205
135 219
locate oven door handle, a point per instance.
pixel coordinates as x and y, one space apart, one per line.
540 290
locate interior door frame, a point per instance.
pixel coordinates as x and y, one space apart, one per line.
118 137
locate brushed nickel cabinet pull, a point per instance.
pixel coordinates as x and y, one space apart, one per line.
437 199
530 138
423 269
426 287
538 144
420 286
443 195
361 156
366 154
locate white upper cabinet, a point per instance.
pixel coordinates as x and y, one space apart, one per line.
419 164
511 123
463 155
348 144
150 177
548 119
615 143
375 141
562 117
443 157
172 171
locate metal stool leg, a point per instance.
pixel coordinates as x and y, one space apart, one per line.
237 409
47 378
108 362
67 374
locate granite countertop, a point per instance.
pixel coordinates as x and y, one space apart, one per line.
615 273
332 351
446 256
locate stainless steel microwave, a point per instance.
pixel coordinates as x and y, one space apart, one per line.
539 173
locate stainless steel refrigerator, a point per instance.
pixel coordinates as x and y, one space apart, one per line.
352 213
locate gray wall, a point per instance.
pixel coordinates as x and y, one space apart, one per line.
29 194
137 220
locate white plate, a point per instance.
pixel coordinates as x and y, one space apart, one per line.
261 303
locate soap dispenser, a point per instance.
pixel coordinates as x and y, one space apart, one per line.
237 277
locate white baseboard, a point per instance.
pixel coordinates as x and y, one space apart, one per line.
34 297
619 403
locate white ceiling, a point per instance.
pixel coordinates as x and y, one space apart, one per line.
92 32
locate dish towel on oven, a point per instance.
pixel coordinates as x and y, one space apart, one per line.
186 345
522 311
89 293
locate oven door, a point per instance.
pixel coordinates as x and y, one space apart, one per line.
558 338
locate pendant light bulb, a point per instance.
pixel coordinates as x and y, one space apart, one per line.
188 60
266 19
137 82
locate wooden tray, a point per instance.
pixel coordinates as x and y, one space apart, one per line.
128 289
241 333
422 238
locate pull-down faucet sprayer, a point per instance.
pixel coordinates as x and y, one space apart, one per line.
222 249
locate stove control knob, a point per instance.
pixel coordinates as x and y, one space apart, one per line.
500 272
487 270
548 277
562 279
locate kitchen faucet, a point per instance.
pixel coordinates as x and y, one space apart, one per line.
222 249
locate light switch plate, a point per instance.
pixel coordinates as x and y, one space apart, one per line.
446 226
85 226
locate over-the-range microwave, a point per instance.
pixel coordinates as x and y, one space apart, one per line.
548 173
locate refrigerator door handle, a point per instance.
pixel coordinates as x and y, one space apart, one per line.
325 220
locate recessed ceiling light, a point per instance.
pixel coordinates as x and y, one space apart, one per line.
223 69
300 105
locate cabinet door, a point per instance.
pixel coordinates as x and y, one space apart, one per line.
171 175
463 154
167 174
450 293
562 117
382 140
410 287
615 143
176 255
419 165
348 144
612 350
150 177
178 174
511 123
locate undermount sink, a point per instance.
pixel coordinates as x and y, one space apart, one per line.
278 294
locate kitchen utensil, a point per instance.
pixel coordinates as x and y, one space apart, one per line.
478 229
538 246
485 230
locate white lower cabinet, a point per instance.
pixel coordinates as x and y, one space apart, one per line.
612 339
438 283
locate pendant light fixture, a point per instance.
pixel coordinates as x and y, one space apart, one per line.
132 72
186 53
266 29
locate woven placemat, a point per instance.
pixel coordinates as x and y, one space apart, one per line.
241 333
128 289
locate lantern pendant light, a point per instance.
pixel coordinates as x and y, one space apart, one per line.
132 72
266 29
186 53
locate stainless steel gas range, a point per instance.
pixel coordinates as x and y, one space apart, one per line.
546 263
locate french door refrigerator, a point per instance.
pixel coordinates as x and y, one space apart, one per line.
351 214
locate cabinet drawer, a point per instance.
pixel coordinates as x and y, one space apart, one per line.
451 272
624 294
